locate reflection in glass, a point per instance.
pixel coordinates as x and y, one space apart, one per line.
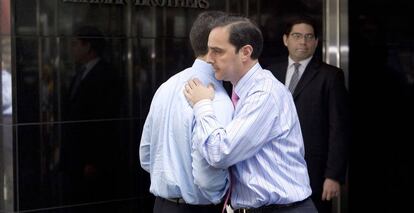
91 150
6 92
94 91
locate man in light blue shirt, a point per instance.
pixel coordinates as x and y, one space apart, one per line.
263 145
181 179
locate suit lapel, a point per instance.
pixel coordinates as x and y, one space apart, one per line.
309 73
88 79
280 71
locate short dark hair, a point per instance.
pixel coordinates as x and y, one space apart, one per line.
201 29
301 19
242 31
93 36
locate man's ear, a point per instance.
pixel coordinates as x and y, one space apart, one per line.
246 52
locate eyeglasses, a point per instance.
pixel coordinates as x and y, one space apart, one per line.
300 36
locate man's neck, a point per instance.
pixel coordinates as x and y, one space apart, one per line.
246 67
202 57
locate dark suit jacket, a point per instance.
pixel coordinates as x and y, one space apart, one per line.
92 136
98 94
322 104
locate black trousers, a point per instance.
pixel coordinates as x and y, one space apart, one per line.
165 206
322 206
306 206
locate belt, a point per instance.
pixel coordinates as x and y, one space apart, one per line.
269 207
176 200
180 201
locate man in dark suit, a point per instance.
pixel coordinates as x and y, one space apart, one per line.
322 104
95 89
91 152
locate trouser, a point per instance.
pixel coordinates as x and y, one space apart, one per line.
165 206
323 206
306 206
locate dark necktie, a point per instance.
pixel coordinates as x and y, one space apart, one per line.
295 78
76 83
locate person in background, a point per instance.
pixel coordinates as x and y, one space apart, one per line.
321 101
91 155
262 146
6 92
181 179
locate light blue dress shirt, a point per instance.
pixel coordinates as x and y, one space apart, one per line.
263 144
177 170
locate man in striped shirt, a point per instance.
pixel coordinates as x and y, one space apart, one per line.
262 146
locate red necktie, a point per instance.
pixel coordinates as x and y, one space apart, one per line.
234 98
228 191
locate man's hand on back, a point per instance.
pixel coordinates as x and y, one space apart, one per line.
195 91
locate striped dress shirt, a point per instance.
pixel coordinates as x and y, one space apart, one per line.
177 170
263 144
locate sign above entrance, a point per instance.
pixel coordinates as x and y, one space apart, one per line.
203 4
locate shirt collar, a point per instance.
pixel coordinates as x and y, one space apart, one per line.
91 63
89 66
202 66
242 86
302 63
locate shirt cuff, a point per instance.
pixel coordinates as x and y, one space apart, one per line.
202 108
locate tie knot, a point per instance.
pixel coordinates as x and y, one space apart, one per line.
297 65
234 98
